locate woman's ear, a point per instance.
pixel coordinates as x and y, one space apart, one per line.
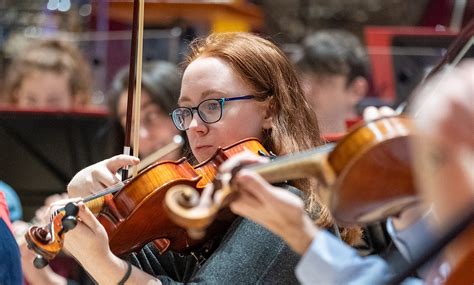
267 123
357 90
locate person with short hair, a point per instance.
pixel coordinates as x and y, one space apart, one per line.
334 70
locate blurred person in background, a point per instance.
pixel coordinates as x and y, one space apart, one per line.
161 84
334 70
48 74
443 152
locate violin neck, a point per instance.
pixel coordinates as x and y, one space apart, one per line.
312 163
96 205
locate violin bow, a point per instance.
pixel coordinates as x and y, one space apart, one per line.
457 49
135 71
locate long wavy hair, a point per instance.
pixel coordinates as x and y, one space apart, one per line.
264 67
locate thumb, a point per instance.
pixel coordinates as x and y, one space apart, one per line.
88 218
119 161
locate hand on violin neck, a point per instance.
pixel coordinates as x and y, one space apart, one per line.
88 241
98 176
239 160
277 209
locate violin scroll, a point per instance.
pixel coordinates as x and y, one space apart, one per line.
48 241
194 211
185 208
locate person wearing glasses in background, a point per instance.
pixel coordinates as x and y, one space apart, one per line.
161 83
235 86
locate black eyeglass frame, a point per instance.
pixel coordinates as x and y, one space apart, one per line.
196 109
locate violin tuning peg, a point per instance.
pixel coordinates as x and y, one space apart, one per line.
40 262
69 223
71 209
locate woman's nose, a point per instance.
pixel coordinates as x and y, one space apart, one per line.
197 125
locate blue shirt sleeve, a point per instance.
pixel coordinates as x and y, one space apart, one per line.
412 241
330 261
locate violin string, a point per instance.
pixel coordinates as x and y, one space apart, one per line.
441 74
109 190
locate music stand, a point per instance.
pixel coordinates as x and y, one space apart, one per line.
42 150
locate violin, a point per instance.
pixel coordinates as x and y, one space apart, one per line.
379 148
134 216
374 168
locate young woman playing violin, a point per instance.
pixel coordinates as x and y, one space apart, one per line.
235 86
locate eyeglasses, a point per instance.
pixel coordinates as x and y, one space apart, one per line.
210 111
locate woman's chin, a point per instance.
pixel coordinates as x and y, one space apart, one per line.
204 153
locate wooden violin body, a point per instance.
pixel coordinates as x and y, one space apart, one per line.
134 216
463 247
373 166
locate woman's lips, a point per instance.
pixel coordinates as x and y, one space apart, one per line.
202 147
